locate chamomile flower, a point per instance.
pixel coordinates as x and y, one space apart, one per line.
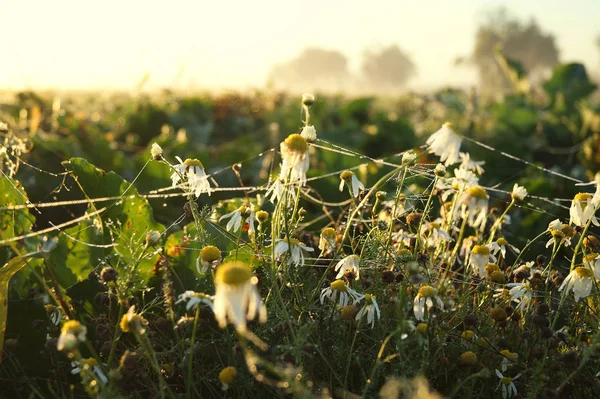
518 192
480 257
592 261
501 245
561 236
328 239
475 207
85 365
370 309
349 178
276 191
156 151
194 299
54 314
582 210
236 298
341 293
580 280
295 161
467 164
193 171
131 321
522 293
556 224
226 376
507 358
238 216
71 333
349 263
425 299
294 248
445 143
436 235
508 386
210 257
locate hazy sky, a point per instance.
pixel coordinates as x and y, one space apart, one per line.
114 43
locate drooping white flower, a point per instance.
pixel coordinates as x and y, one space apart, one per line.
518 192
236 298
582 210
445 143
309 133
328 239
194 299
556 224
193 171
592 261
210 257
349 263
467 164
507 358
294 248
580 280
349 178
54 313
475 207
237 216
71 333
295 160
562 235
501 245
370 309
339 292
508 386
437 235
522 293
87 365
425 299
480 257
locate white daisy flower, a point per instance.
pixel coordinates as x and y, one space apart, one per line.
592 261
556 224
425 299
562 236
475 207
193 171
236 298
403 237
54 313
437 235
501 245
507 358
408 157
508 386
480 257
294 248
467 164
295 162
466 246
348 263
370 309
156 151
339 292
237 216
210 257
71 333
522 293
445 143
276 191
582 210
518 192
194 299
87 364
580 280
349 178
327 240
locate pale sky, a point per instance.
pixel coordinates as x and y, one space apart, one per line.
230 44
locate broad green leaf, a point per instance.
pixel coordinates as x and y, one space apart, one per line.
6 273
13 223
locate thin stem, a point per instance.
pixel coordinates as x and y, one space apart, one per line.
188 389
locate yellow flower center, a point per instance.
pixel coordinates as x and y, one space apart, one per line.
339 285
369 298
449 124
262 216
502 242
227 375
328 233
210 253
233 273
292 241
468 334
296 143
480 250
506 380
491 268
71 327
193 162
584 272
422 328
477 192
590 257
426 291
469 358
91 362
346 175
568 230
557 234
508 354
582 197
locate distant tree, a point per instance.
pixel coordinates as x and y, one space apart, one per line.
387 69
526 43
314 68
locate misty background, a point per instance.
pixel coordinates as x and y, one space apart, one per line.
383 47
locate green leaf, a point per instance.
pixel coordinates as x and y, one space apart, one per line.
13 223
6 273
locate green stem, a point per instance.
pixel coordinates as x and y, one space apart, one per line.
191 357
425 212
498 222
